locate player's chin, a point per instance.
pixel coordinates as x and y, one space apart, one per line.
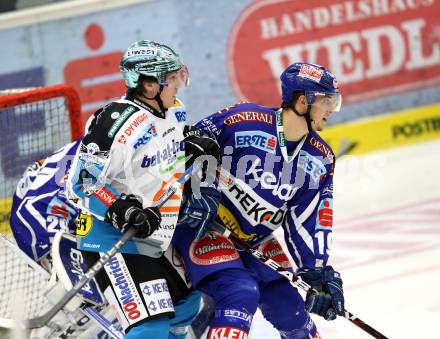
319 127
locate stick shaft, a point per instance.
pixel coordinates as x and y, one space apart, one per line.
103 322
295 280
42 320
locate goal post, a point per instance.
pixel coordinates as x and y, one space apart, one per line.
20 96
34 123
39 121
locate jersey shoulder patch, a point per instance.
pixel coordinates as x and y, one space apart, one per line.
317 143
107 123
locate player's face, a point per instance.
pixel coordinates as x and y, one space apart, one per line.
320 113
173 82
170 89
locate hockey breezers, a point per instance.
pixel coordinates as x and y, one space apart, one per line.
295 280
42 320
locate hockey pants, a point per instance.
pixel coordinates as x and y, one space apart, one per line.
174 328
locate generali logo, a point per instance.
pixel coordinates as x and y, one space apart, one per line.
374 47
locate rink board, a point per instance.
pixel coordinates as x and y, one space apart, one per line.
393 130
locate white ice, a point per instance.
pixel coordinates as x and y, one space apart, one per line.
386 244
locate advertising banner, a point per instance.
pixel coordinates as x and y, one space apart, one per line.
387 131
384 53
374 47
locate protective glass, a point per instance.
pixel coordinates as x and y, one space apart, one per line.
326 101
178 78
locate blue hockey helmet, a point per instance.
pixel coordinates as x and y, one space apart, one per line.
313 80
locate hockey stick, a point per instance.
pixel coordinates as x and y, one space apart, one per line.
40 321
346 147
89 311
102 322
294 279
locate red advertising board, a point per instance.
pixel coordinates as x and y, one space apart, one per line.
374 47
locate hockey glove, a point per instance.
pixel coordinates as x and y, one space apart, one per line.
127 212
330 300
197 146
200 212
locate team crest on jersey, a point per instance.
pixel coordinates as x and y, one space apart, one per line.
212 249
92 148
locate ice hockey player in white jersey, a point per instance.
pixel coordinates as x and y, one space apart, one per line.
40 209
133 149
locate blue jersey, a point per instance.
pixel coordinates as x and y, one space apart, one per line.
40 207
266 185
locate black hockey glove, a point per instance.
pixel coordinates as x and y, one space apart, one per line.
197 146
127 212
330 300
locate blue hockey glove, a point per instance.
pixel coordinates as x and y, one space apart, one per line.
200 212
330 300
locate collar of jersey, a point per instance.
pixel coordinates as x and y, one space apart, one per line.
288 156
145 106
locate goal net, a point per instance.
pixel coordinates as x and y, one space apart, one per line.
34 123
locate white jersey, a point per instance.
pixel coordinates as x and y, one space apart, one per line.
129 148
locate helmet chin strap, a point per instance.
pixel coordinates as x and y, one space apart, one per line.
157 98
306 116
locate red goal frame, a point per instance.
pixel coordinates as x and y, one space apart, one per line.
49 92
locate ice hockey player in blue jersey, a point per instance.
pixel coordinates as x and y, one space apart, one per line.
40 207
276 172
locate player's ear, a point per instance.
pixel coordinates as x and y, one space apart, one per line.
151 88
302 100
